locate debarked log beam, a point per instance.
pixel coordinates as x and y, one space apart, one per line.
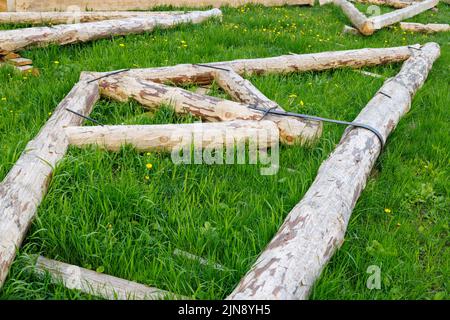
169 137
425 28
242 90
98 284
204 74
398 4
153 95
25 185
358 19
13 40
315 228
69 17
387 19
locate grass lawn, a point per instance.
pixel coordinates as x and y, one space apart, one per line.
108 212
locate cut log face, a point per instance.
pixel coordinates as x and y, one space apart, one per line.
98 284
153 95
13 40
315 228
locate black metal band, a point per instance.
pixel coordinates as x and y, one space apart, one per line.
314 118
85 117
108 75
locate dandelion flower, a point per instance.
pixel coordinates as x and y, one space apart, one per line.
149 166
387 210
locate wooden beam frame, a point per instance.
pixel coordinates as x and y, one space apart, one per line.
367 26
24 187
424 28
315 228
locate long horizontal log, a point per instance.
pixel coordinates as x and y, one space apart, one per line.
54 17
170 136
96 5
98 284
204 74
387 19
13 40
315 228
153 95
425 28
398 4
24 187
242 90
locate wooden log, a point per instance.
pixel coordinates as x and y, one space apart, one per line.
98 284
242 90
358 19
167 137
351 30
200 260
95 5
398 4
54 17
425 28
387 19
153 95
13 40
25 185
315 228
188 73
20 62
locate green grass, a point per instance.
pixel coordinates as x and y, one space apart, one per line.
103 214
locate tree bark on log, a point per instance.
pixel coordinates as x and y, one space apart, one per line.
425 28
153 95
203 75
76 17
167 137
351 30
98 284
390 18
315 228
26 184
358 19
242 90
13 40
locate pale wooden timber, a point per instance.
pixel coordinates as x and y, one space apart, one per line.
169 136
20 61
76 17
24 187
351 30
425 28
398 4
13 40
97 284
200 260
188 73
242 90
96 5
315 228
370 74
358 19
153 95
387 19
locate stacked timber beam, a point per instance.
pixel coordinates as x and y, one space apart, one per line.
95 5
14 40
368 26
297 246
424 28
20 64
